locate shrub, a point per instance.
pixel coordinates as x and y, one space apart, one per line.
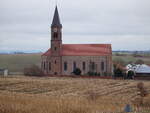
118 72
92 96
139 61
77 71
142 92
130 75
105 73
98 74
135 54
33 71
92 73
119 61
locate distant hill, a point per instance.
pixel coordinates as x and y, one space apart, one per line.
114 51
125 51
17 52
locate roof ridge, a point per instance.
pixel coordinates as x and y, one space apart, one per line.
86 44
84 50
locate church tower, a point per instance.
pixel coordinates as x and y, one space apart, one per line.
56 43
56 35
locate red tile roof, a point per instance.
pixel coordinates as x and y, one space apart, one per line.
47 53
84 50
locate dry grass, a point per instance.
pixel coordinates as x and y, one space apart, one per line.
67 95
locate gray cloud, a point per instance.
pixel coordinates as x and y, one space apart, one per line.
96 21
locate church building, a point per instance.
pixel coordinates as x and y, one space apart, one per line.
63 59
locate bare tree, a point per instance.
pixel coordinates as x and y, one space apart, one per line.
142 92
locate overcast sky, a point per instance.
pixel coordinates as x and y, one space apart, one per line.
25 24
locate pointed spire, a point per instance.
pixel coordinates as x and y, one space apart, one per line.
56 20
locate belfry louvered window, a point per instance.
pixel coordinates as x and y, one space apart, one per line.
55 35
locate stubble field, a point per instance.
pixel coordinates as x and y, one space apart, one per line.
21 94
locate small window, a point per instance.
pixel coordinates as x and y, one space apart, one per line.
102 66
55 48
49 65
55 62
65 66
83 65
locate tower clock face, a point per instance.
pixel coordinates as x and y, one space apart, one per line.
55 29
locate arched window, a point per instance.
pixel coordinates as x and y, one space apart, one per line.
44 65
83 66
74 66
55 62
93 66
49 66
65 66
102 66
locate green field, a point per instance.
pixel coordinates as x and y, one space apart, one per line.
17 62
130 58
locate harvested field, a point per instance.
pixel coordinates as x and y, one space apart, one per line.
68 95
